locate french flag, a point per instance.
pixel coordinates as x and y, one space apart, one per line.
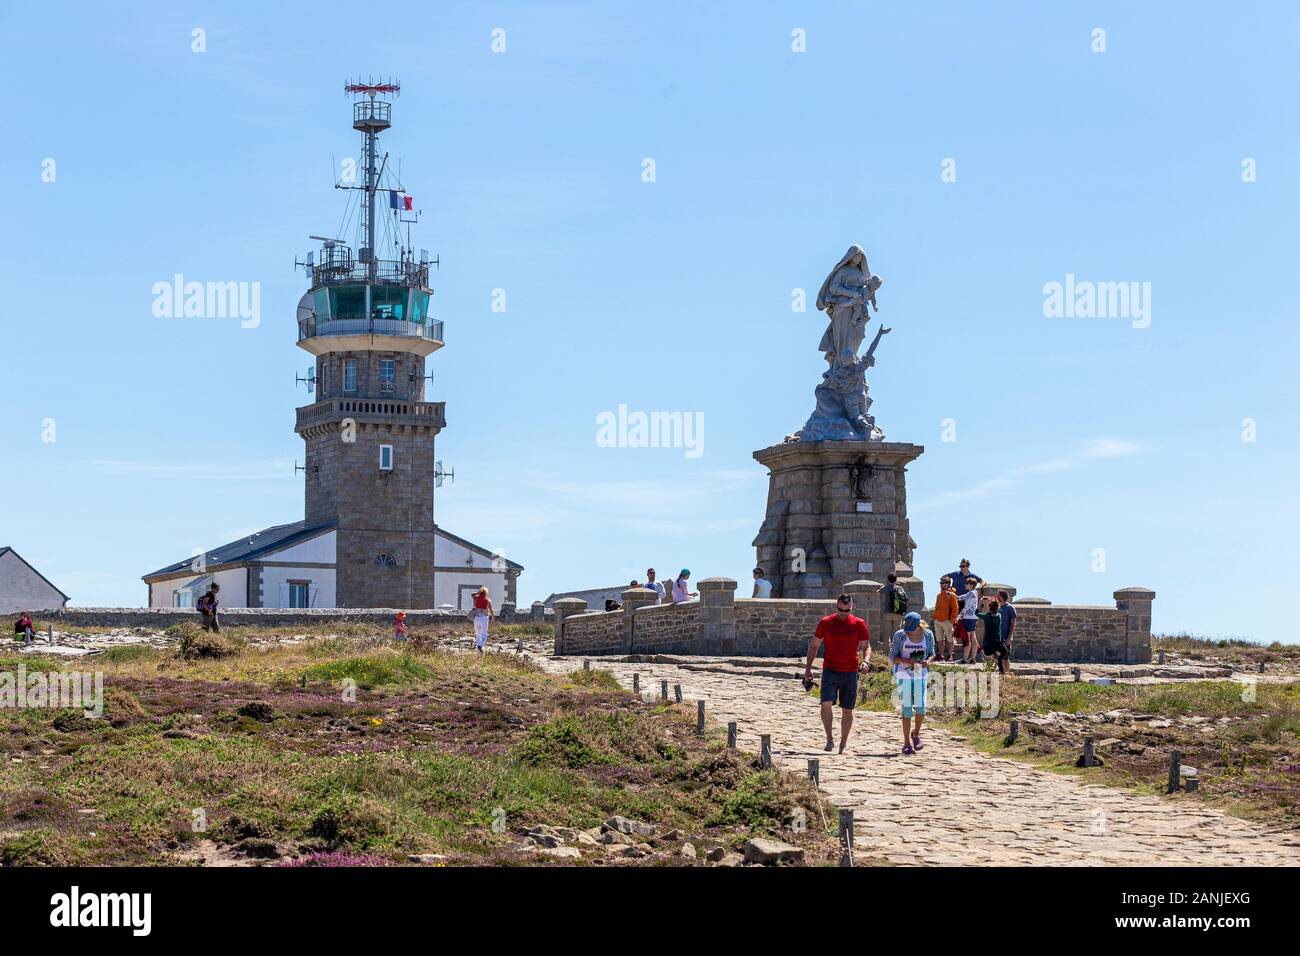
398 201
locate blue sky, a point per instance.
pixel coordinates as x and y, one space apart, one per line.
1072 434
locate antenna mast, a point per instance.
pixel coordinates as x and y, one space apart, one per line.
371 116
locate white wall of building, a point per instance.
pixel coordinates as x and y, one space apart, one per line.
233 581
447 587
451 554
318 550
275 585
450 586
22 589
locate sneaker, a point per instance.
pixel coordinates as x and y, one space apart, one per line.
916 741
907 750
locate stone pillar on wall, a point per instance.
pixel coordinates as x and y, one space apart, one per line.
717 629
565 607
507 613
634 598
1136 605
991 590
539 611
866 605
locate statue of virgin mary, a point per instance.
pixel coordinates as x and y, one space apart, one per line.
844 297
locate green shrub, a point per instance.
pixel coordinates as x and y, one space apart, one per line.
370 672
196 643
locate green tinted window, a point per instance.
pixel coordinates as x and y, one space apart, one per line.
348 302
419 305
388 301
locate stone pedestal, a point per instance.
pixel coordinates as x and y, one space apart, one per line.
634 598
717 615
565 607
836 512
1136 605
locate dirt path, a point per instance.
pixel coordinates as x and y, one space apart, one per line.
950 804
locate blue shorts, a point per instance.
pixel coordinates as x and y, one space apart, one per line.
911 695
841 685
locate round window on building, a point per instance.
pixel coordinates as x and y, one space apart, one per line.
385 560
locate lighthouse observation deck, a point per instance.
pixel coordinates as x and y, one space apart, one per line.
362 302
353 304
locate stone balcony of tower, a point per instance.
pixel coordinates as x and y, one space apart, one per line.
378 411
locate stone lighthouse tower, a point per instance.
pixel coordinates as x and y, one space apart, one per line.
370 468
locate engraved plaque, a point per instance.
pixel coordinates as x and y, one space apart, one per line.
866 550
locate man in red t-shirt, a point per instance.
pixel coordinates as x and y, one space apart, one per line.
843 634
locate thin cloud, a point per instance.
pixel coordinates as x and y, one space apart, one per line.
986 487
1110 448
1094 448
639 493
205 471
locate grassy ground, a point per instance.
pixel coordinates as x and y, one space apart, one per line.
327 628
261 745
1249 765
1244 654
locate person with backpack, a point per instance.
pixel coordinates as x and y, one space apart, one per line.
399 626
207 606
910 652
893 604
946 612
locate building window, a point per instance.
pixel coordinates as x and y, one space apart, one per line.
350 376
182 599
299 594
387 375
385 457
385 560
465 595
323 378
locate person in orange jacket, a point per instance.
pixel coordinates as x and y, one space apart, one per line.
945 616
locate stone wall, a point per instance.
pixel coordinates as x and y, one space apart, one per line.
777 627
595 632
1070 632
667 629
719 624
161 618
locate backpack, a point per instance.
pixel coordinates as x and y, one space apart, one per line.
898 600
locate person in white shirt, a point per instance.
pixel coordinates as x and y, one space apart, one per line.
970 602
653 585
762 586
681 588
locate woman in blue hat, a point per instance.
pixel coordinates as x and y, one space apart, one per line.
910 652
681 592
